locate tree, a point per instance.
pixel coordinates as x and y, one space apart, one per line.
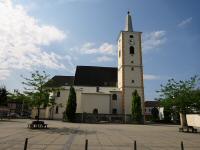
155 113
71 105
136 107
3 96
22 98
35 88
180 97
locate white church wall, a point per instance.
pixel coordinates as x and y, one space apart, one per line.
61 103
95 101
78 101
116 104
88 89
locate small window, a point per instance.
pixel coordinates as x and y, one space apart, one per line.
95 111
132 68
58 94
133 81
131 36
132 62
56 109
114 97
119 53
114 111
131 50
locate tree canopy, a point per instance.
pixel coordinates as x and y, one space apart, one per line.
35 88
3 96
181 96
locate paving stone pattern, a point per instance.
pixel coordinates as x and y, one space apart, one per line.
72 136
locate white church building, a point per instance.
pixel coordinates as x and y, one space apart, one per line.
104 90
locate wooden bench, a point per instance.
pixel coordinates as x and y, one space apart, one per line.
188 129
37 125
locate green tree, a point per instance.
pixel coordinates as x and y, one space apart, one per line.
136 107
3 96
71 105
180 97
36 90
20 98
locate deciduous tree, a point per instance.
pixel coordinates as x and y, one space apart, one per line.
3 96
35 88
180 96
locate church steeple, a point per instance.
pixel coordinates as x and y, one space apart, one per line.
128 26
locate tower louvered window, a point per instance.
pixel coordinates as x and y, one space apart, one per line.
131 50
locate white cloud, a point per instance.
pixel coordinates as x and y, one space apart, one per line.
104 59
91 48
151 77
185 22
4 73
21 39
153 40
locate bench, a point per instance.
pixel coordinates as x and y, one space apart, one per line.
188 129
37 125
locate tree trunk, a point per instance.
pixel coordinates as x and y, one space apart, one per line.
38 117
183 119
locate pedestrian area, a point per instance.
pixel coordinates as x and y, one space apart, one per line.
72 136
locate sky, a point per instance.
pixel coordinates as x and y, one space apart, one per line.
58 35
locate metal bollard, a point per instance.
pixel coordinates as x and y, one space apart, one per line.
135 145
25 144
182 146
86 144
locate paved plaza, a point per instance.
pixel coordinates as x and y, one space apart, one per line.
64 136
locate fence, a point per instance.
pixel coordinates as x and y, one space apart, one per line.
86 145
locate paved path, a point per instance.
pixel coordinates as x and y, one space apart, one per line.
65 136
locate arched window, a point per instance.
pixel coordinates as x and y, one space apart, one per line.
131 50
114 97
114 111
56 109
95 111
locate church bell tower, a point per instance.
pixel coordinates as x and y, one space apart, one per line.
130 68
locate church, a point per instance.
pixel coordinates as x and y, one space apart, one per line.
104 90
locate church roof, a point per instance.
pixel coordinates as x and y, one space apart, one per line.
95 76
87 76
58 81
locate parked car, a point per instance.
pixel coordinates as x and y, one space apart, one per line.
13 115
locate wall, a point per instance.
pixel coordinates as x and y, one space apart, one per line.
128 79
193 120
91 101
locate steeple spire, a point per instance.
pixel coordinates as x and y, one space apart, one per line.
128 26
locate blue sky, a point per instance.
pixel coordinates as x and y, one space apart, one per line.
55 36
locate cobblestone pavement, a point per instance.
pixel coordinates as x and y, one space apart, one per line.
64 136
